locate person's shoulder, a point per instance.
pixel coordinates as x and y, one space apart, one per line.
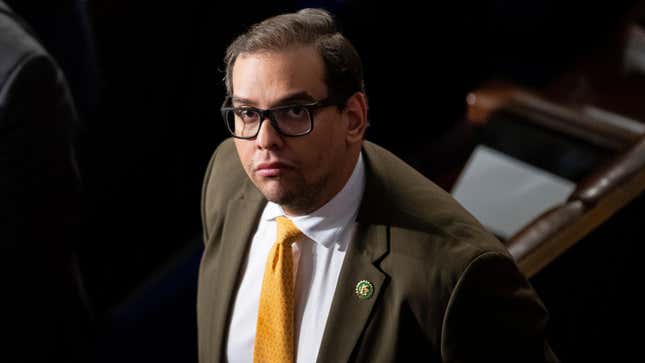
224 175
426 223
408 199
224 166
18 41
224 151
224 158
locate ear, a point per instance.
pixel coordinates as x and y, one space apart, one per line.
356 114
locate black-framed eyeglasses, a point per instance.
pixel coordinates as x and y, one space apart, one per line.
289 120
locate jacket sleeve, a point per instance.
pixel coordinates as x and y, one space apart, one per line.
40 213
494 315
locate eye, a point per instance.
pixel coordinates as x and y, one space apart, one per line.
246 114
296 112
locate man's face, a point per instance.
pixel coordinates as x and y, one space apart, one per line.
299 173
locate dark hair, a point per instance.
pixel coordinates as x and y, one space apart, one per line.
308 27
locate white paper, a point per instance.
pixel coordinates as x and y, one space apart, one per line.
504 193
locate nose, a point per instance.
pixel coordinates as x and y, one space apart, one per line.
268 137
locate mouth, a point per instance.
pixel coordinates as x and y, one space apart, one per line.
271 169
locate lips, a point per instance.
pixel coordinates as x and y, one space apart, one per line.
271 169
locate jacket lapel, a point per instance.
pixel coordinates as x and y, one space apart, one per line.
349 314
241 220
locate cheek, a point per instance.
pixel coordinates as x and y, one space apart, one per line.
309 159
329 153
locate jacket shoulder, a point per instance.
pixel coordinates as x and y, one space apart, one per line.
224 180
224 174
431 236
416 209
17 41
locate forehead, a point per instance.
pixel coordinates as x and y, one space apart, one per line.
266 76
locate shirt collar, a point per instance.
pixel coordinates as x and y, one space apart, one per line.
325 225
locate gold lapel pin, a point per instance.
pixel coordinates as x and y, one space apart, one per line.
364 289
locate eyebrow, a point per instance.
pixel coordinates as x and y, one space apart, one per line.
286 100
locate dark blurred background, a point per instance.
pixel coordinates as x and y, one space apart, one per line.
147 79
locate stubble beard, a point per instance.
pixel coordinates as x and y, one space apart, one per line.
300 197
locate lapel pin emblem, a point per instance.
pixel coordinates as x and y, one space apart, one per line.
364 289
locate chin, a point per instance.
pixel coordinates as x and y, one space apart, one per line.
274 191
288 193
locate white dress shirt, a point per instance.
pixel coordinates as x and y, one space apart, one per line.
319 256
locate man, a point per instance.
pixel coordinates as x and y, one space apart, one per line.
380 265
44 314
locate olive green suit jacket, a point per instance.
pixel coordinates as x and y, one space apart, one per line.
444 289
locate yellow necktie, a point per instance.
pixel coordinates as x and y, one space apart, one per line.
274 334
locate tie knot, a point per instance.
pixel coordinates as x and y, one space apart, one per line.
287 231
